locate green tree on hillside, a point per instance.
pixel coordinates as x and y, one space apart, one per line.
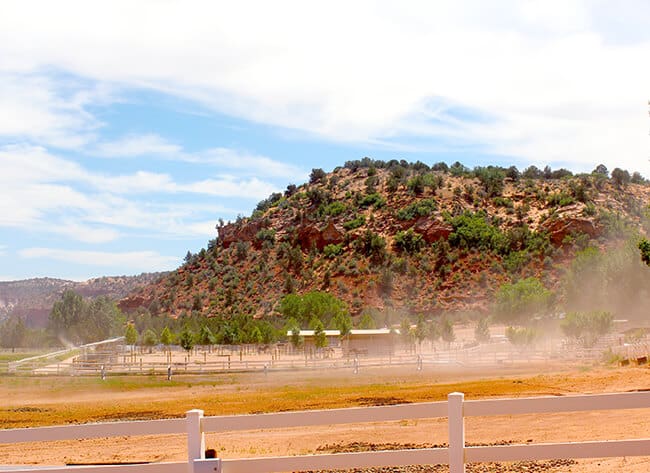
615 280
187 339
130 334
371 245
317 175
343 323
366 322
166 337
587 327
491 179
408 241
644 246
447 330
482 330
522 300
293 328
78 321
255 335
102 320
621 177
13 333
320 339
474 230
66 315
206 337
420 332
521 336
149 339
321 305
433 331
405 331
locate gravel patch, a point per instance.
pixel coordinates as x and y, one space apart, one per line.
549 466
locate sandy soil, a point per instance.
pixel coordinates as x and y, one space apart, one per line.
518 429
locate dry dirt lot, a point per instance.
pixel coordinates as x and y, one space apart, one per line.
47 401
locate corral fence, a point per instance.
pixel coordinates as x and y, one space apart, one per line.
52 363
224 359
455 409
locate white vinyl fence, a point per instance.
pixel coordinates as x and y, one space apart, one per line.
455 409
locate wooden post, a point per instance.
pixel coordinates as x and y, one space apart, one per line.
456 432
195 437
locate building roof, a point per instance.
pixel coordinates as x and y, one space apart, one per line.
358 332
373 331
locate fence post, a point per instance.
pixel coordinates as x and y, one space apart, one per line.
195 438
456 432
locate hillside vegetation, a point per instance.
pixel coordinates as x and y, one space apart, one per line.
395 240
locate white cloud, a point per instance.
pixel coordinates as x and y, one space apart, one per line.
51 195
204 229
37 107
129 260
86 233
249 188
140 182
247 163
553 81
3 249
152 145
137 145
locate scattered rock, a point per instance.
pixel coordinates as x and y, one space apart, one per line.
549 466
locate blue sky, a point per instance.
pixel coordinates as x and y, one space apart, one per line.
127 129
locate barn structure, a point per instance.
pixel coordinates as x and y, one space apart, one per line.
373 342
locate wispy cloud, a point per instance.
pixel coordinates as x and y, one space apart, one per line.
247 163
131 260
155 146
137 145
58 196
84 232
46 109
251 188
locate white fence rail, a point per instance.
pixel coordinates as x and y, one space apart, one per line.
455 409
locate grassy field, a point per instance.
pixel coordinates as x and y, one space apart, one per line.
6 357
32 401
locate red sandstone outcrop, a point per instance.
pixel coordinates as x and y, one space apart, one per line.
312 236
234 232
559 228
432 230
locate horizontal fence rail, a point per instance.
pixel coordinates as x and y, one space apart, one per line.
333 461
548 405
195 425
171 467
88 431
546 451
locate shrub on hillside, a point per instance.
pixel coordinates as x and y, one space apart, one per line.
408 241
354 223
472 230
419 208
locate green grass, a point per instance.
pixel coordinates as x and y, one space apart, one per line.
8 357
